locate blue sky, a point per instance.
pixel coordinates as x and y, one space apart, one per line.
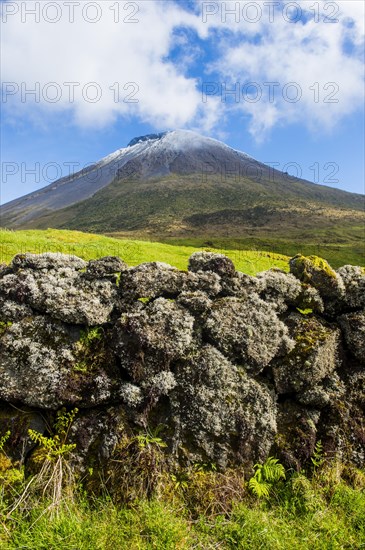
282 81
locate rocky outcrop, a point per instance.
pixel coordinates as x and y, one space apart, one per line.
231 368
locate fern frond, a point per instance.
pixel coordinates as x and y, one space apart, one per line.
259 489
272 470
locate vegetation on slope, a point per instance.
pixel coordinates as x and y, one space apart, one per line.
285 216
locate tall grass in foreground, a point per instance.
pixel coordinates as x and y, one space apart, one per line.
301 514
90 246
322 507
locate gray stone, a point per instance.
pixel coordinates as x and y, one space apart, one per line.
63 294
220 414
315 355
149 280
205 281
318 273
283 290
11 311
107 267
209 261
148 340
354 281
353 326
247 330
47 261
41 366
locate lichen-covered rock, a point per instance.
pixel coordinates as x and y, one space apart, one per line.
247 330
315 355
354 281
221 415
58 289
148 340
131 395
353 326
11 311
221 359
318 273
198 302
47 261
297 433
342 425
105 267
309 298
240 285
328 391
160 384
279 288
4 269
205 281
209 261
283 290
41 366
152 279
96 432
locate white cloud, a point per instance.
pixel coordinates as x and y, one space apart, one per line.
312 56
113 55
109 52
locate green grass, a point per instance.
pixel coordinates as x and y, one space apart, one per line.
335 522
133 252
316 242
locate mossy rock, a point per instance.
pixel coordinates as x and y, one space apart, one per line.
297 434
318 273
314 356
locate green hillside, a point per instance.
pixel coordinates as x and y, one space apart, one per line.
133 252
285 217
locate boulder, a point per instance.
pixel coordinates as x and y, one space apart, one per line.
353 278
150 339
46 364
353 327
247 330
150 280
106 267
50 284
221 415
48 261
209 261
318 273
315 355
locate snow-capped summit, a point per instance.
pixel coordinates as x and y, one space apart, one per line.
150 156
176 180
147 137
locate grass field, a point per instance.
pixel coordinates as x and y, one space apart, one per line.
338 250
133 252
302 513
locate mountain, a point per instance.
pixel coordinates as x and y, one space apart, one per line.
180 184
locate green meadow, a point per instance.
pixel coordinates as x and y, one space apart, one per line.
90 246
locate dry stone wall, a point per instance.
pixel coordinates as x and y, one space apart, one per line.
233 368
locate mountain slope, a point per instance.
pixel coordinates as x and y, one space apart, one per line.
157 156
179 184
